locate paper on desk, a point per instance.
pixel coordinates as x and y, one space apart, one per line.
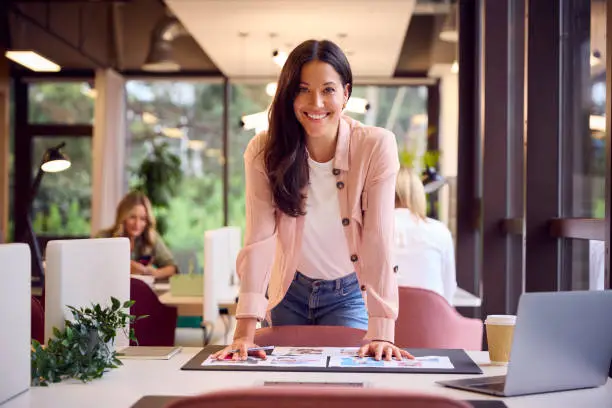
435 362
311 360
321 351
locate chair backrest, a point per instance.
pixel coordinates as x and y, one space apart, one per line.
158 329
15 336
315 336
37 321
309 397
80 272
426 320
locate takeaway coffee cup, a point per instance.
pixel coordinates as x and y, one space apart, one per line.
500 330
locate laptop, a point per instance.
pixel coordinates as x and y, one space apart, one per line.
562 341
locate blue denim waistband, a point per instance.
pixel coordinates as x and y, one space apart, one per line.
347 280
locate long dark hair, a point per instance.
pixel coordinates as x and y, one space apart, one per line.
285 153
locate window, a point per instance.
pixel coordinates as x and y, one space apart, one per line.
61 102
57 111
585 160
188 117
245 99
402 110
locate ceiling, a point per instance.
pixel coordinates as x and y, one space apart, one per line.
371 32
384 38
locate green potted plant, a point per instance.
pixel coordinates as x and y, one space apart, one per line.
158 177
85 349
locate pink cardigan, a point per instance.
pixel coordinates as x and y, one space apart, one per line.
366 165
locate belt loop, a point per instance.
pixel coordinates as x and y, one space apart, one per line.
338 284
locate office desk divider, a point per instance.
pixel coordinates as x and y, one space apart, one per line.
162 401
462 364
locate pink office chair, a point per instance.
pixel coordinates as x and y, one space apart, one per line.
315 336
426 320
157 329
37 321
307 397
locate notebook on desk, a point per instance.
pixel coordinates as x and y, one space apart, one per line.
562 341
148 353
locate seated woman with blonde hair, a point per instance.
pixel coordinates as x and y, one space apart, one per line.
424 249
135 220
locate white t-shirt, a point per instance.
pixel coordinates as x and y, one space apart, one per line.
323 228
425 254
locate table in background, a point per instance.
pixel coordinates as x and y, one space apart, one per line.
124 386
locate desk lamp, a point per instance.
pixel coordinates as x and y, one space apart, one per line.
53 161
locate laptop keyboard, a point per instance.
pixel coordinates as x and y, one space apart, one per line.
492 384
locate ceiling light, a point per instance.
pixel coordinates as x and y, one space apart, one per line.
257 121
449 31
33 61
161 56
357 105
455 67
597 123
271 88
595 58
279 57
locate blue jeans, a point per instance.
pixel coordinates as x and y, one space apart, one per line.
322 302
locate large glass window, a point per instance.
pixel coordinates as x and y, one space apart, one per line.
246 99
402 110
62 205
60 102
585 145
188 118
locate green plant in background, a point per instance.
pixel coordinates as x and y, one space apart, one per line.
159 177
84 350
408 159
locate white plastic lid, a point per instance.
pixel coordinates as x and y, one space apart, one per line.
501 319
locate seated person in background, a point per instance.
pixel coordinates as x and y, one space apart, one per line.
424 250
149 254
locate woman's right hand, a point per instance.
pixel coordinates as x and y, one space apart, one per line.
242 345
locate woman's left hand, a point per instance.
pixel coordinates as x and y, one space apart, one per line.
383 349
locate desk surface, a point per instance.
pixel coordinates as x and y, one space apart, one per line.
122 387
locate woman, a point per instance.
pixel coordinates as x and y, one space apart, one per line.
319 198
424 250
149 254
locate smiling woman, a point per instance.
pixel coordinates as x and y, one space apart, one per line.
319 211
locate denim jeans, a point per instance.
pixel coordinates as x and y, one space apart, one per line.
322 302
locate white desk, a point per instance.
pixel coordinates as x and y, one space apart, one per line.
122 387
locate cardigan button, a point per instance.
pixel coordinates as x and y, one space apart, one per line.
354 258
340 185
345 221
363 288
395 269
336 172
